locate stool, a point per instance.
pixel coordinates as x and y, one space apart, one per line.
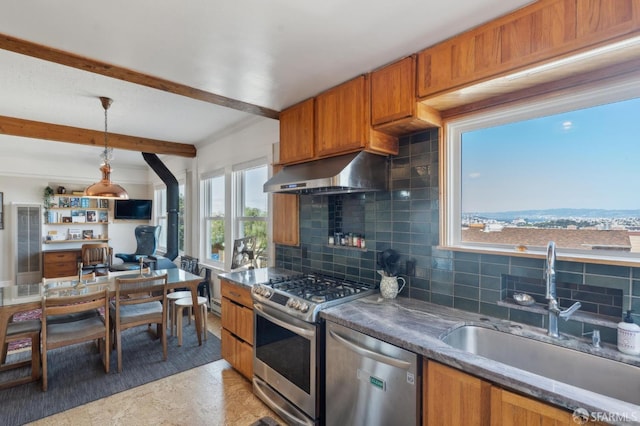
171 299
18 330
187 302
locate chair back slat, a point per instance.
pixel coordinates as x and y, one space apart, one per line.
142 289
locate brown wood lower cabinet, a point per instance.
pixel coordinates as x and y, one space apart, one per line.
60 263
510 409
237 327
452 397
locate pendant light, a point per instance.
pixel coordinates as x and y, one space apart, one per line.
105 188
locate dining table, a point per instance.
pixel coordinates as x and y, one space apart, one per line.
26 297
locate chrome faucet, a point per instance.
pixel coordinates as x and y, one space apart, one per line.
554 307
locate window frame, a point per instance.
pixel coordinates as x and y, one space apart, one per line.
160 214
206 219
597 93
238 218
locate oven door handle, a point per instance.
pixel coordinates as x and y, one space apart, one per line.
283 323
369 353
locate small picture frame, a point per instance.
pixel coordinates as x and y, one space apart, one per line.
63 202
78 216
103 204
66 219
92 216
103 217
87 234
74 202
75 234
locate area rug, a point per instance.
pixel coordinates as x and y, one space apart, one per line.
76 374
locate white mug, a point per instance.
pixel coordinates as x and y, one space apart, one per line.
389 287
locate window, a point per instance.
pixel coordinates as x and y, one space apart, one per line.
562 168
213 196
161 218
251 208
160 215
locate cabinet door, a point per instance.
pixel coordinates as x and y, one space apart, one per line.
452 397
341 118
393 92
228 348
244 359
510 409
244 323
286 229
297 133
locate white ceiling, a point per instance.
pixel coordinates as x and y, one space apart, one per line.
271 53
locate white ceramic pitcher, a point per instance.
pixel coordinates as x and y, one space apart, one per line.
389 286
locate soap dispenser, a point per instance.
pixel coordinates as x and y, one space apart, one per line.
629 336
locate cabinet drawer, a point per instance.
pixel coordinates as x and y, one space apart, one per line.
61 256
236 293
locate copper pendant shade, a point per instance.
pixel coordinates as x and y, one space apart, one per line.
105 188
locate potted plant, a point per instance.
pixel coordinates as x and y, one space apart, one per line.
47 201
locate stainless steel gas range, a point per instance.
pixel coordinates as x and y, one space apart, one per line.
288 358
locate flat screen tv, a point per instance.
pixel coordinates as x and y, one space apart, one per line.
132 209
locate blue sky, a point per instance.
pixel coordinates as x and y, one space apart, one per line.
588 158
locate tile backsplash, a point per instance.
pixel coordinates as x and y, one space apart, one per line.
406 218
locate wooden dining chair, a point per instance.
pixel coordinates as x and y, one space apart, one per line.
139 301
20 330
76 315
56 335
96 257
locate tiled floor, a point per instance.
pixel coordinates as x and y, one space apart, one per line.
213 394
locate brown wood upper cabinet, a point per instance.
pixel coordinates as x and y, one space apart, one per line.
535 34
343 122
297 127
394 107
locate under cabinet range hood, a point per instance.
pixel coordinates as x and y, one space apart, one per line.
356 172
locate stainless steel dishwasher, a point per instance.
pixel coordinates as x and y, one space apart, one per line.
369 382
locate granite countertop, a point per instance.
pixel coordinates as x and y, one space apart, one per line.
250 277
418 326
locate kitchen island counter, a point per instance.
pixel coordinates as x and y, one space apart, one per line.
418 326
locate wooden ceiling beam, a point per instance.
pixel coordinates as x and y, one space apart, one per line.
91 65
54 132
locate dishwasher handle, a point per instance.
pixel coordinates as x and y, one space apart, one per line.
369 353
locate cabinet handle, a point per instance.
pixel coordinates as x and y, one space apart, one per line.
234 294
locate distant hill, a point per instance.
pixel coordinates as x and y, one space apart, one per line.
540 215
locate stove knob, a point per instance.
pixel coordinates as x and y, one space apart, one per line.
304 307
266 292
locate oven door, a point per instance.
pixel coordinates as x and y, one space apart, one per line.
285 356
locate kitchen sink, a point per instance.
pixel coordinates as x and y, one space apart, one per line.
586 371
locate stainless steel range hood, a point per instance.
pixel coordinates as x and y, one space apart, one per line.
355 172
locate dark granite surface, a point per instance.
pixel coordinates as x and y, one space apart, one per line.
418 326
249 277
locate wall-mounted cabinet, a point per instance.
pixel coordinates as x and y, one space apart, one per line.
541 32
343 121
334 122
394 106
297 133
